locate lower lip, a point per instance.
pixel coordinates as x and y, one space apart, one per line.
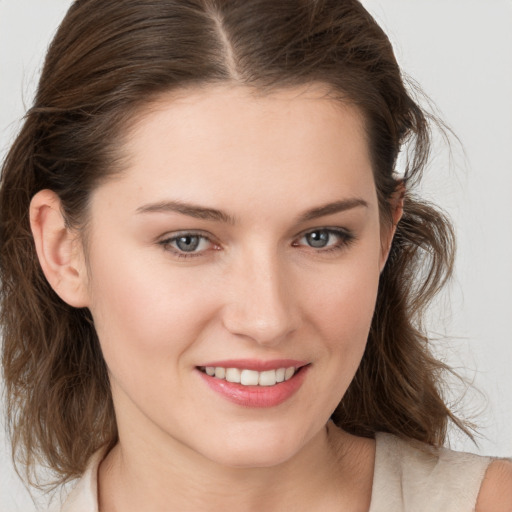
256 396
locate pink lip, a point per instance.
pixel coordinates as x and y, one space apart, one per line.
256 396
256 365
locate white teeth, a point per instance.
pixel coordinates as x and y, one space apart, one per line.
251 377
288 374
233 375
267 378
220 372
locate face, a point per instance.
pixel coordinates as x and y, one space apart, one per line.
233 270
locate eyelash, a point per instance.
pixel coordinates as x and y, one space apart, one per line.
345 238
166 244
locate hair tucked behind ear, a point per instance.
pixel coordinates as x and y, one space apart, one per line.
112 57
58 396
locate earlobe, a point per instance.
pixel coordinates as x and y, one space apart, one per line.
58 249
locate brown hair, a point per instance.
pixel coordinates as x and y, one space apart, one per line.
108 59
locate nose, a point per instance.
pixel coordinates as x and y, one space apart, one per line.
261 303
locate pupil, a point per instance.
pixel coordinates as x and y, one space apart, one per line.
318 239
187 243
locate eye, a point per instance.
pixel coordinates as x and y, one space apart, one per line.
318 239
326 238
187 244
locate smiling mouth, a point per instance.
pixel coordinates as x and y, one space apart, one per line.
247 377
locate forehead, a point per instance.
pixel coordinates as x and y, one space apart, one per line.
206 144
216 114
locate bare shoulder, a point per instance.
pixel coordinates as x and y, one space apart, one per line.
496 492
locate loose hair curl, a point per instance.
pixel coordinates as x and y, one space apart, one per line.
107 61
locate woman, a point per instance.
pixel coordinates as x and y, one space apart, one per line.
210 267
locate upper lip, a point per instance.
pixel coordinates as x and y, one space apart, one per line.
256 364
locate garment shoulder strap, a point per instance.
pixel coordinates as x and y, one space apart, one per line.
413 477
83 497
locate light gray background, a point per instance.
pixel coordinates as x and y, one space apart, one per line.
460 51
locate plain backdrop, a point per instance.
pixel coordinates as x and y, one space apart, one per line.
460 51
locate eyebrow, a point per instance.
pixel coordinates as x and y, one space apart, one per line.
191 210
204 213
332 208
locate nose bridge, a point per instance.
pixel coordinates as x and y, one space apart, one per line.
261 305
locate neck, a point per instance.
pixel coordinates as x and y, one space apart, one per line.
334 469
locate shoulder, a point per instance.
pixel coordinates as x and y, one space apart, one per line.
496 491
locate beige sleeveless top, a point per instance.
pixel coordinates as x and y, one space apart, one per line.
413 477
408 477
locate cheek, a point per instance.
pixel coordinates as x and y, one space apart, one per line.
341 310
344 304
145 313
338 316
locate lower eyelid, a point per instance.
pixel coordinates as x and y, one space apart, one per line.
167 242
344 237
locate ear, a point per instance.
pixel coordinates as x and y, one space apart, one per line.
396 202
59 249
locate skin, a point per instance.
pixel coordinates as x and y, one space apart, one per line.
255 288
256 291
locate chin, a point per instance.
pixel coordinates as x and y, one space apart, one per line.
257 447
